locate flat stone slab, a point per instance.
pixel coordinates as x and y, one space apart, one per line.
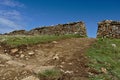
15 63
5 57
40 69
31 78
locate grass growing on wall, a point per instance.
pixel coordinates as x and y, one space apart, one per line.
18 40
105 54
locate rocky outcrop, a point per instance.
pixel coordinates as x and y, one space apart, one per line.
108 29
60 29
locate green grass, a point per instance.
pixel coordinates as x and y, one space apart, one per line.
50 74
18 40
103 54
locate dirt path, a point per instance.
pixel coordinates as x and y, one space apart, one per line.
67 55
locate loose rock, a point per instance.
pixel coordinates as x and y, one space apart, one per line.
104 70
114 45
31 53
68 72
31 78
5 57
15 63
55 42
40 69
22 56
14 50
56 57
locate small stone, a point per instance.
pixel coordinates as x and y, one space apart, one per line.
70 63
5 50
62 70
56 57
5 57
68 72
15 63
17 55
26 58
55 42
14 50
75 32
31 53
40 69
104 70
91 74
22 56
62 62
61 66
30 78
114 45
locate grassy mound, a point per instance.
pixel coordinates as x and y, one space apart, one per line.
105 59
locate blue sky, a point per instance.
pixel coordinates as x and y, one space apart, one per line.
28 14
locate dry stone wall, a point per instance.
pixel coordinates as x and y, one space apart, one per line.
108 29
60 29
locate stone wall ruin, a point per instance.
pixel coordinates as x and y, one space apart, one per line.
108 29
60 29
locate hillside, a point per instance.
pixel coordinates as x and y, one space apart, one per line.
66 55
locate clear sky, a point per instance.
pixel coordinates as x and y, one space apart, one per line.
28 14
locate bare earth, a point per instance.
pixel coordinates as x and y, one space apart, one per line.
25 62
